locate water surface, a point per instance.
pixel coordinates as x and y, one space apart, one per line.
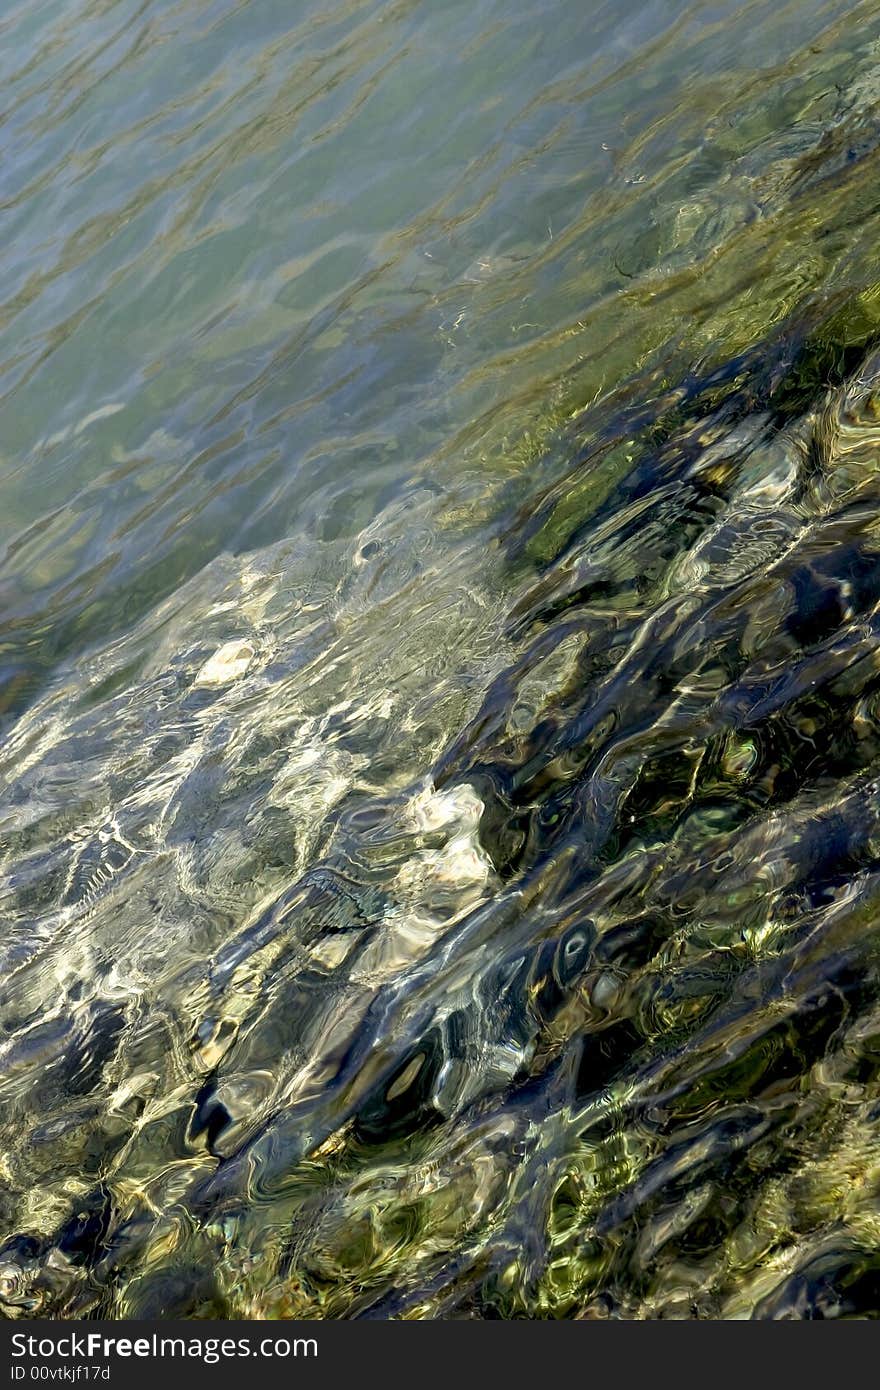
439 653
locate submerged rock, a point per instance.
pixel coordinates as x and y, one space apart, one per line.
560 993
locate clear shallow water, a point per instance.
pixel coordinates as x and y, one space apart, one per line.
439 651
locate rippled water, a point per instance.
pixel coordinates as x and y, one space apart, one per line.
440 657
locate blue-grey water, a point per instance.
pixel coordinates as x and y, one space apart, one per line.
439 658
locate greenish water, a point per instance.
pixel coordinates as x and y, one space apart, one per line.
440 659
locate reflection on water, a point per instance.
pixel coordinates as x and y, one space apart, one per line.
440 656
